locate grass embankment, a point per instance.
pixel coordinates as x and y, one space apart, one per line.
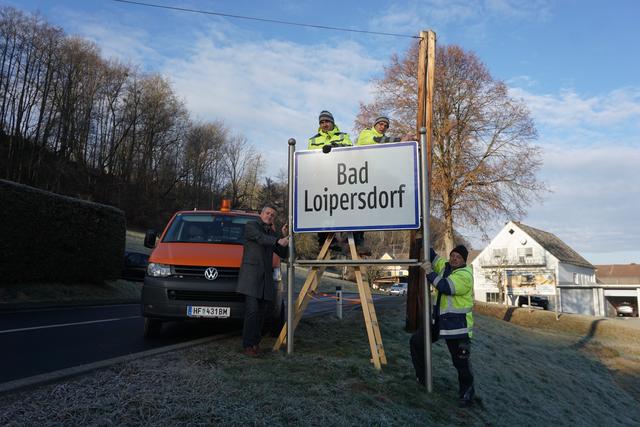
24 295
523 377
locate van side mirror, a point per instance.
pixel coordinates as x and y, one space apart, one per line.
150 239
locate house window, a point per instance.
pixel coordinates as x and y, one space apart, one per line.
492 297
500 253
525 252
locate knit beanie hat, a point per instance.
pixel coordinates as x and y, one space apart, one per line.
382 119
460 249
325 115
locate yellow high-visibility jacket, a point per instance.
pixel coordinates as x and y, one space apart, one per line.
334 136
367 136
456 303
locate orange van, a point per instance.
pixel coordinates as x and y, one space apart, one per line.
193 271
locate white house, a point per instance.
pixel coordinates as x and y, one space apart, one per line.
527 261
391 274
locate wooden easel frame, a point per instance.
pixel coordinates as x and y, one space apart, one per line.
378 356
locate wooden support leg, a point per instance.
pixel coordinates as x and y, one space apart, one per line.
371 323
308 290
374 321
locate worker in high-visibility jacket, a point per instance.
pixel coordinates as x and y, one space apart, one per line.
453 319
328 134
376 134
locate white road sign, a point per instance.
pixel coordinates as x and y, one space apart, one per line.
371 187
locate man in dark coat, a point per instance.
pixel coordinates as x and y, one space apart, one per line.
256 274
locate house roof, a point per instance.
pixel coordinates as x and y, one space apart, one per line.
618 274
555 246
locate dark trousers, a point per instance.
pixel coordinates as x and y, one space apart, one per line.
253 320
460 351
358 237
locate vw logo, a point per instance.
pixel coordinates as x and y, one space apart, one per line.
211 273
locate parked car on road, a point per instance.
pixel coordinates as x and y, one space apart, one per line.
398 289
625 309
134 266
536 301
193 271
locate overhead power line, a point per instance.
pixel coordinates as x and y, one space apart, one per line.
274 21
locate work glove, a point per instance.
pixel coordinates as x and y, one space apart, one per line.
426 267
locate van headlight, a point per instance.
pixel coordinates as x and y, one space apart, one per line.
158 270
277 275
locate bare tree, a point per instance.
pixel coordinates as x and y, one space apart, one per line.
242 164
203 166
77 124
484 162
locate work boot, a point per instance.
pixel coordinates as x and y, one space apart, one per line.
467 398
250 351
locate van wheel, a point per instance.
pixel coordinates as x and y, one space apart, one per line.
278 322
152 328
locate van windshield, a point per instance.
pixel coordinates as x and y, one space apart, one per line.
207 228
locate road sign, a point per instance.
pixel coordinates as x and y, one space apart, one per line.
372 187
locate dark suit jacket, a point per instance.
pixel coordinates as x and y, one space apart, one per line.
256 271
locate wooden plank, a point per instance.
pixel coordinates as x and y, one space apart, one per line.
370 325
308 290
374 321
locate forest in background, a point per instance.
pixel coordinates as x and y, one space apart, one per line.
77 124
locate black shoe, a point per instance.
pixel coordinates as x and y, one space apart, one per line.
467 398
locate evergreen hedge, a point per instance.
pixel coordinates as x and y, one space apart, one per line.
46 237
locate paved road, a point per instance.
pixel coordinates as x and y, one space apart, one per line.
39 341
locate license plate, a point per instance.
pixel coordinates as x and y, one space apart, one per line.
194 311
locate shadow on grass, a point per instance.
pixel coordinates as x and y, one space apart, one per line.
592 331
508 314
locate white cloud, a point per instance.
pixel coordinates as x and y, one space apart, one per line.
474 16
569 109
591 149
594 203
595 198
271 90
123 42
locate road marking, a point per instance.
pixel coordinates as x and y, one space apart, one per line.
60 325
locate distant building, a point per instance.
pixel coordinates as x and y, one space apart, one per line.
391 274
522 260
620 284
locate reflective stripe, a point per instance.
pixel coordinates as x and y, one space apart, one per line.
435 282
452 286
450 309
454 331
316 141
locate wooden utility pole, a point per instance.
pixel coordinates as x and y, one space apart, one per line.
426 78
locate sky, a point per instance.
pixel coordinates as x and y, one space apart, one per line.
575 63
